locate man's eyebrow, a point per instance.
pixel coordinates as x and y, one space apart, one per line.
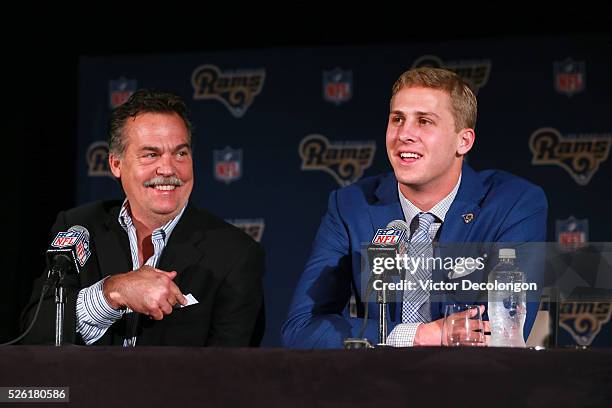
420 113
157 149
151 148
417 113
182 146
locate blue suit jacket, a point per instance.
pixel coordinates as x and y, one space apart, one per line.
505 208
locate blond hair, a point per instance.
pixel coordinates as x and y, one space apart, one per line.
463 100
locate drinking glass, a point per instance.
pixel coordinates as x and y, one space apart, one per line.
462 326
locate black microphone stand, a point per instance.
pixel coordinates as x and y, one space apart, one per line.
56 278
60 302
381 298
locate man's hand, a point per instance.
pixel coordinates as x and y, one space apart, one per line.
146 290
430 334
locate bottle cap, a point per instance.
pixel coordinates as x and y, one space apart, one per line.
507 253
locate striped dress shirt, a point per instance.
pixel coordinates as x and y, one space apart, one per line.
93 313
403 334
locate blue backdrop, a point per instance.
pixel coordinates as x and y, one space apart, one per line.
277 129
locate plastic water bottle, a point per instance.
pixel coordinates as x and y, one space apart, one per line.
507 308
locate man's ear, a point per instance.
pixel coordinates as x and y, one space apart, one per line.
114 162
466 141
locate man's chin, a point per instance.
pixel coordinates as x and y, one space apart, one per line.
411 180
166 211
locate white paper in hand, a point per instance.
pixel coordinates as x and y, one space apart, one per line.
190 300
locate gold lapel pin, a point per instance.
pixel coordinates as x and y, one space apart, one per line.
467 218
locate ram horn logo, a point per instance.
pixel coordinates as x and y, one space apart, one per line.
584 320
97 160
467 218
235 89
345 161
579 156
474 72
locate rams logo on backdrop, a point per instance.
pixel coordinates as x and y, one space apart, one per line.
345 161
584 320
97 160
253 227
337 86
235 89
579 155
474 72
120 90
570 76
572 233
227 164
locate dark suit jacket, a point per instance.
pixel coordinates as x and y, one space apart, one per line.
217 263
505 208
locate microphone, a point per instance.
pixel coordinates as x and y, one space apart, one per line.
68 252
385 246
403 226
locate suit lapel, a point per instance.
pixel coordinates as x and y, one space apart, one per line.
461 216
113 246
182 249
464 211
387 207
458 224
455 227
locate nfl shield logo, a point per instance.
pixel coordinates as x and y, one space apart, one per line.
227 164
83 252
337 86
569 76
65 239
388 236
572 233
120 91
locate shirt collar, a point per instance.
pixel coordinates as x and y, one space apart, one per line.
439 210
125 220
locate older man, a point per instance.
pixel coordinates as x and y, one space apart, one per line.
154 247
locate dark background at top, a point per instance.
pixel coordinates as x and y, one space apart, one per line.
40 111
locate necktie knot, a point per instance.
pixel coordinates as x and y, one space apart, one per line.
422 232
426 218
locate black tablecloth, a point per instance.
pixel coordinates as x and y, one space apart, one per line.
208 377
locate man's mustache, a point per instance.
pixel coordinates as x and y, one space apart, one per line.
164 181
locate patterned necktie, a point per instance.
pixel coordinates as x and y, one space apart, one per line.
415 307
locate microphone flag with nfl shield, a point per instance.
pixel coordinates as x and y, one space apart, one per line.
68 252
67 255
387 244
